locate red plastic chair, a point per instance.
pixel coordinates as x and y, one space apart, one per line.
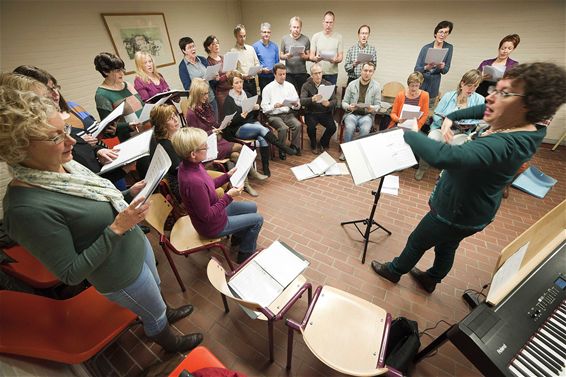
67 331
28 268
199 358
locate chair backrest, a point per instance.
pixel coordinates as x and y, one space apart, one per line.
159 210
346 332
60 330
217 277
199 358
29 269
391 89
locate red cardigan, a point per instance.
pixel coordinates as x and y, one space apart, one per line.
398 105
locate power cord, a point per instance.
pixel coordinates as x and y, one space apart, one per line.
424 332
473 297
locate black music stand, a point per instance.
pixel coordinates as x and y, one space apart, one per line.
369 222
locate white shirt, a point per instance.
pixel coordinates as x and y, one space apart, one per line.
277 93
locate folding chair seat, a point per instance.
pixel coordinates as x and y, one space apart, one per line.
198 358
219 278
183 238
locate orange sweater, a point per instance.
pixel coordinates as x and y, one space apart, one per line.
398 106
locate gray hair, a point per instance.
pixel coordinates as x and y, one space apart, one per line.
264 25
315 65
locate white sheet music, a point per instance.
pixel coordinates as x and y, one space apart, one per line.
130 150
248 104
495 72
507 271
119 110
144 116
158 167
212 71
230 61
326 91
339 168
253 284
410 124
303 172
281 263
226 121
291 102
212 144
390 185
435 55
254 70
327 55
322 163
364 58
296 50
244 164
410 111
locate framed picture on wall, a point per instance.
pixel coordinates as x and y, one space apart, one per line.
132 32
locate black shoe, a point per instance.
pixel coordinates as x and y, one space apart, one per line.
423 278
383 271
282 155
242 257
175 314
296 150
171 342
145 228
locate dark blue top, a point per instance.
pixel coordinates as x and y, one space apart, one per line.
432 78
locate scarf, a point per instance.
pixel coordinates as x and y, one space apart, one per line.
238 98
80 182
206 114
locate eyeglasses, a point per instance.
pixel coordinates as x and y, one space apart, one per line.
502 93
57 139
443 32
202 149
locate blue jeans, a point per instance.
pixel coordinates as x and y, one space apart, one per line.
431 232
353 121
244 222
332 78
143 296
253 131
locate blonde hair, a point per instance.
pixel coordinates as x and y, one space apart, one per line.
187 140
140 65
415 77
473 76
198 89
23 116
159 116
21 82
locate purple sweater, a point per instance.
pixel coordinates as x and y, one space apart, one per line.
197 190
510 63
149 89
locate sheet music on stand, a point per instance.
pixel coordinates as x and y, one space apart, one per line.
377 155
158 167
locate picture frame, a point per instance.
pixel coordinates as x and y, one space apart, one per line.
132 32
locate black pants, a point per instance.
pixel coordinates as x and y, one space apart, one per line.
264 80
297 79
327 121
250 87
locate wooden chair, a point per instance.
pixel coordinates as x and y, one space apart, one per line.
183 238
345 332
67 331
28 269
390 91
199 358
219 278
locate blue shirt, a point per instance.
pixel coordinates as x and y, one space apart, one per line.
268 56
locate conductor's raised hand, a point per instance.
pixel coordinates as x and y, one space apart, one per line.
130 216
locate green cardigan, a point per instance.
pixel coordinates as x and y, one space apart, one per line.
71 237
470 188
107 100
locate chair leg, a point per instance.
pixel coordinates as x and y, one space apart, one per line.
309 295
270 337
290 333
174 268
225 302
226 256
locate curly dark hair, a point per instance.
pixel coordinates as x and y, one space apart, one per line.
544 86
105 62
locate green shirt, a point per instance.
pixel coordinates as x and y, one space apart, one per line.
71 237
107 100
469 191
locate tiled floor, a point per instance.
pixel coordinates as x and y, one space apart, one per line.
307 216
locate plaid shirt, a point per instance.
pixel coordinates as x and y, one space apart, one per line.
352 55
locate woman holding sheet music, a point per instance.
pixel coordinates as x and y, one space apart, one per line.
464 96
115 90
469 191
413 95
211 216
432 71
212 48
148 81
76 223
502 62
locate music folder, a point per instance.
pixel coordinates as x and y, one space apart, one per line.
130 151
377 155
